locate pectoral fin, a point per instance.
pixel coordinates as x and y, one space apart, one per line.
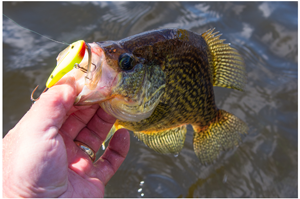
165 141
112 131
222 134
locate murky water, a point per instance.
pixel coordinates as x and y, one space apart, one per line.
265 33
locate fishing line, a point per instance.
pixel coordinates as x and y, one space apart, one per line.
37 32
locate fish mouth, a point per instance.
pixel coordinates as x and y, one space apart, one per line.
94 83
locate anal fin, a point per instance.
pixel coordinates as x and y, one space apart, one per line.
222 134
164 141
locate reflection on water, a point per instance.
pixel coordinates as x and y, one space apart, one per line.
264 165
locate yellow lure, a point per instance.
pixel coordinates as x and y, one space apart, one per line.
66 59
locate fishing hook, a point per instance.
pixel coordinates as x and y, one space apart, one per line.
88 47
77 66
88 69
31 97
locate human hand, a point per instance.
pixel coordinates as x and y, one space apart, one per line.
40 158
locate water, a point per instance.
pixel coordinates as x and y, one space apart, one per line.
265 33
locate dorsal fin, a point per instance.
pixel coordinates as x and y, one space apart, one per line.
227 65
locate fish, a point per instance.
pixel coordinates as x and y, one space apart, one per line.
158 82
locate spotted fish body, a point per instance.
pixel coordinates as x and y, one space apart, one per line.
169 85
188 93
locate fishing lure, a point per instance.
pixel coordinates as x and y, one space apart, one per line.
66 61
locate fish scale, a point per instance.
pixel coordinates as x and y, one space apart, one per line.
175 65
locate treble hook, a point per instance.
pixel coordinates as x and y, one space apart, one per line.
31 97
77 66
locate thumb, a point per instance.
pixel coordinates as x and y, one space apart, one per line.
52 107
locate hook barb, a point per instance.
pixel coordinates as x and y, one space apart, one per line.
31 97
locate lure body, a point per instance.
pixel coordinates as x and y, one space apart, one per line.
74 53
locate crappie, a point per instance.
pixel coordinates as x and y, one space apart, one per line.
157 82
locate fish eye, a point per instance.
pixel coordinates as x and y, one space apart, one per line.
125 62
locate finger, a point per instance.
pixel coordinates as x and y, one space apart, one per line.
97 129
73 108
48 113
114 155
78 116
77 121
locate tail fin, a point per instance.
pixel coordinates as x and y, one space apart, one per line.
222 134
226 63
